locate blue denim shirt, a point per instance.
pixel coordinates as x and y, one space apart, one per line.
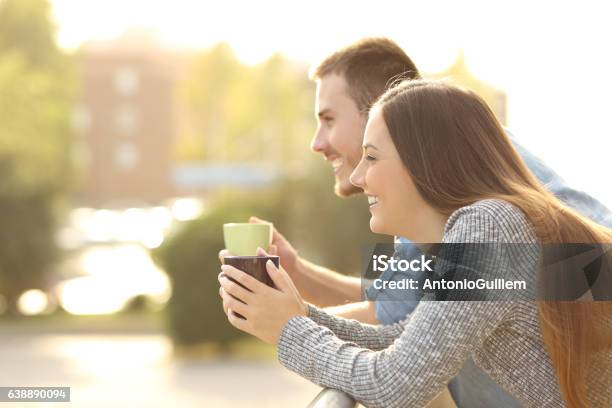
473 388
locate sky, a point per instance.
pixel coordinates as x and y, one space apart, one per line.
551 57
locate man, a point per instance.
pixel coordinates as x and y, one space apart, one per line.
348 82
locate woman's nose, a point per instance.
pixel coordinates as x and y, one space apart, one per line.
357 176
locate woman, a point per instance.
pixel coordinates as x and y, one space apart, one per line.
438 168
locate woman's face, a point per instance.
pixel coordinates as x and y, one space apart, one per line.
396 206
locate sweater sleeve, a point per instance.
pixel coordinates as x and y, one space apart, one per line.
373 337
434 343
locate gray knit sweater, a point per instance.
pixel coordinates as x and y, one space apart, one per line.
407 364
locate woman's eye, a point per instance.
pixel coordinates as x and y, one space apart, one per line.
370 158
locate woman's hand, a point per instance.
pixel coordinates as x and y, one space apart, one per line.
266 310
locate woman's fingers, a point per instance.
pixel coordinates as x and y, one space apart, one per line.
279 277
237 322
234 289
231 303
244 279
222 254
221 291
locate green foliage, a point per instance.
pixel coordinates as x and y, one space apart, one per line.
37 83
246 113
322 227
26 28
34 113
38 86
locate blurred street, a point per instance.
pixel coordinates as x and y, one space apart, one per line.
138 370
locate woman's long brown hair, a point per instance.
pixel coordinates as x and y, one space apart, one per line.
457 153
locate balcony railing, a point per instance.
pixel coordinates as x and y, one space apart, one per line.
330 398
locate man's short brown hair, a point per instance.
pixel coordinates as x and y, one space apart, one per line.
369 67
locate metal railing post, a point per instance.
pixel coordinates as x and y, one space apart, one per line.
330 398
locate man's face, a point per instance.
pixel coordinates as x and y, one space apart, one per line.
340 130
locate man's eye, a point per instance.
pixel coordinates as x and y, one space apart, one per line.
328 120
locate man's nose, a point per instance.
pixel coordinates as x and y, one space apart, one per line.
319 142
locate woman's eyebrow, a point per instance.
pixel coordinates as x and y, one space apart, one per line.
365 146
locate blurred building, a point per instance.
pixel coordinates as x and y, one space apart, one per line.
459 74
127 120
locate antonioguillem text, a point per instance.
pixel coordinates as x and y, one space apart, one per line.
443 284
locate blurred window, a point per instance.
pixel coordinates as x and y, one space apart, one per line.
126 81
126 156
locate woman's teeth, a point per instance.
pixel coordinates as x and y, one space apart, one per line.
372 200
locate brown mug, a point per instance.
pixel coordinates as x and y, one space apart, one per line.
253 265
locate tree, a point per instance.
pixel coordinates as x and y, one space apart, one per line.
25 28
37 83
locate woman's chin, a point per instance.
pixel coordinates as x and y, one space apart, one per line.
376 226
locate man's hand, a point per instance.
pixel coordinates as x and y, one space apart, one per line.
281 247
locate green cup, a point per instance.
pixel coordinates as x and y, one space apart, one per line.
242 239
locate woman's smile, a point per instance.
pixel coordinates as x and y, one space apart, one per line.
372 200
